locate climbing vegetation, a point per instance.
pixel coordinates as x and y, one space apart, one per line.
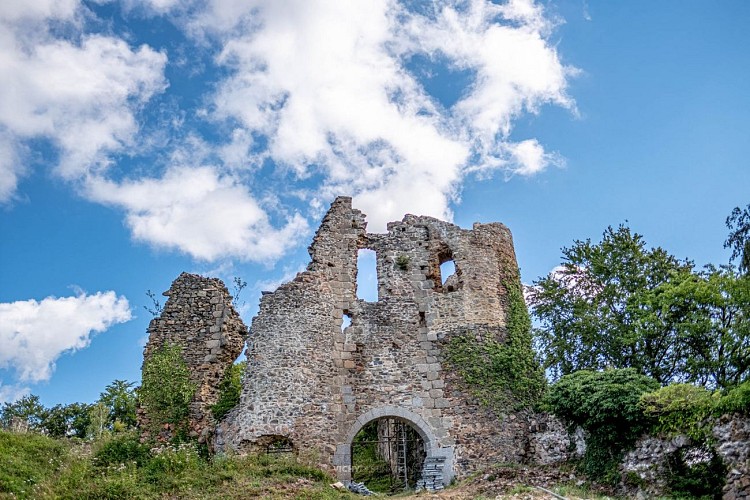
229 390
503 375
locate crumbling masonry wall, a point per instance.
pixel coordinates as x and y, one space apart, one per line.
316 384
199 317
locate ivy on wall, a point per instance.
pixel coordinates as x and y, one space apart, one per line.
502 375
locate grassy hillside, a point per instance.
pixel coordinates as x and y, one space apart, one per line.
35 466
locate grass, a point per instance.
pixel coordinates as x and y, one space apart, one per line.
35 466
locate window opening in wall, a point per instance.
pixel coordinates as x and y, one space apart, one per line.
388 455
346 320
367 275
447 269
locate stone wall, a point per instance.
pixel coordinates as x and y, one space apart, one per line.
199 317
645 468
316 383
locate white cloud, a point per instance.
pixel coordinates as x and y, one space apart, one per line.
11 393
81 94
328 84
34 334
324 90
200 212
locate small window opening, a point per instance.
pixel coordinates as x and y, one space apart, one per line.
447 269
346 320
367 275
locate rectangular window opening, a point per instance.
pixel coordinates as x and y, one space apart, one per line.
367 275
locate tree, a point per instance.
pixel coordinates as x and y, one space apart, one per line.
24 414
166 390
120 398
606 306
718 345
738 240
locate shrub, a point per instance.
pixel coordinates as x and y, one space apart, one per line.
606 405
229 390
680 409
737 400
166 390
121 449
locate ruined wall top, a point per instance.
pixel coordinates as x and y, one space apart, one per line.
200 318
322 361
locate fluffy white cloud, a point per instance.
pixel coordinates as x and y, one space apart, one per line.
199 212
34 334
81 93
11 393
329 85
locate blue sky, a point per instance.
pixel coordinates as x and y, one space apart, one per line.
143 138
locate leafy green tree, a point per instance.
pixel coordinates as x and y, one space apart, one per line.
98 420
27 411
738 240
606 306
718 338
166 390
606 405
120 398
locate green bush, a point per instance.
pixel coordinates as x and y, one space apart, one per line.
230 389
737 400
680 409
606 405
166 390
121 449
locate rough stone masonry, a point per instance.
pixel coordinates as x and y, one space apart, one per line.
316 383
199 318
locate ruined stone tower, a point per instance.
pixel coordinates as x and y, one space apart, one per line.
317 384
200 319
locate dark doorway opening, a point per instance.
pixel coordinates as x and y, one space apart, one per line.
388 455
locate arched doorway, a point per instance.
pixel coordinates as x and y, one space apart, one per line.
388 455
437 458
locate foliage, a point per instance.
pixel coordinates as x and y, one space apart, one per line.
230 388
692 478
120 399
166 390
120 449
718 342
238 285
736 400
402 262
155 309
98 418
617 304
27 412
606 405
27 459
680 409
66 420
738 240
35 466
501 374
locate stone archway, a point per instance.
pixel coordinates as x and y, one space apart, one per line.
342 460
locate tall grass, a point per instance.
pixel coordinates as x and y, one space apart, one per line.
34 466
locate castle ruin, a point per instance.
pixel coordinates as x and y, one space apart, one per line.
323 363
